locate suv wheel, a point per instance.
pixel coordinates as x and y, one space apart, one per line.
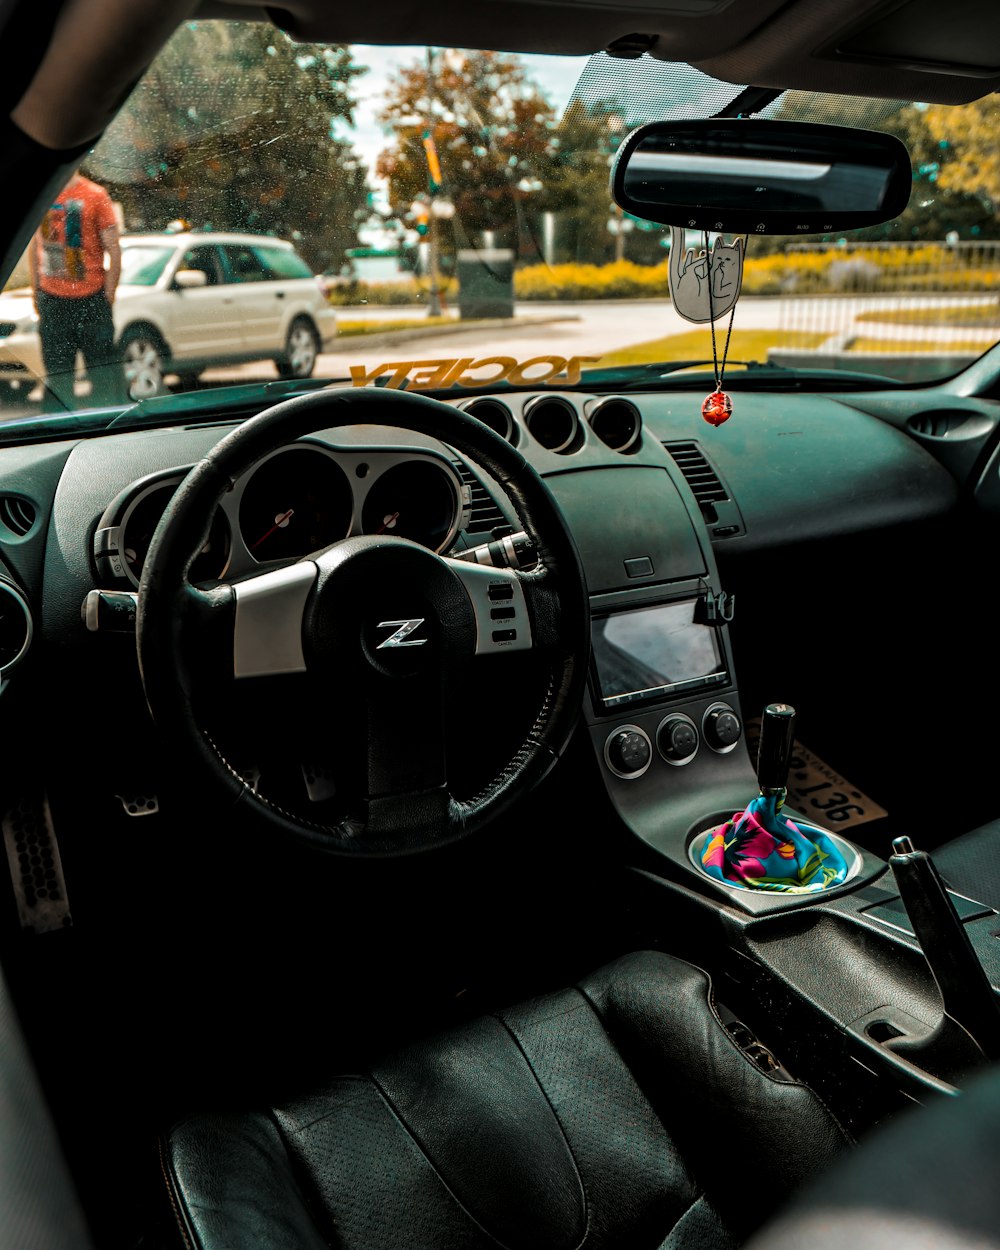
143 357
301 350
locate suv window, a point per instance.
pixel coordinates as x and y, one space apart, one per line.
142 264
206 259
245 265
283 262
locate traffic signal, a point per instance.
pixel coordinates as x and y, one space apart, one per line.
421 214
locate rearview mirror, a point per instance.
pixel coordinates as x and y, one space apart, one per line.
756 176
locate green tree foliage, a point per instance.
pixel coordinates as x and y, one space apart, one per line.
940 206
965 147
234 128
953 157
506 158
492 129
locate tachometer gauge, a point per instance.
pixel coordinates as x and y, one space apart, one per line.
296 502
418 500
140 521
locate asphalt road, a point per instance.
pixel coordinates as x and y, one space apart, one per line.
592 328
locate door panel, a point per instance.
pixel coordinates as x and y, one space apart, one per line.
260 297
204 321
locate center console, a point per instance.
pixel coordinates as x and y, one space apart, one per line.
663 710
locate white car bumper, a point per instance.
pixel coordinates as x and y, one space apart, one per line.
20 356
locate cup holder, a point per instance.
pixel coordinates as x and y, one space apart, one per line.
704 829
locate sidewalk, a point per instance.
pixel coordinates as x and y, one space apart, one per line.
402 334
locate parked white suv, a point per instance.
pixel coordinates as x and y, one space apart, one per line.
189 301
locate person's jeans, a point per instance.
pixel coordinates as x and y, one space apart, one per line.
81 324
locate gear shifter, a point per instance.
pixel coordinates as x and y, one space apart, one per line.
760 848
968 1032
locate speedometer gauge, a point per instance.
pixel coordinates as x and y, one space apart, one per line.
297 502
417 500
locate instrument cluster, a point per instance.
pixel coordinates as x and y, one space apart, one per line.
296 501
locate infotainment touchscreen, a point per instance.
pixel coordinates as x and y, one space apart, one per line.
649 652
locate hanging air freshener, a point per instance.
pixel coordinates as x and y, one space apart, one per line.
717 407
705 286
695 297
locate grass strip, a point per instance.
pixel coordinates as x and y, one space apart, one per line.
348 329
697 345
986 315
899 347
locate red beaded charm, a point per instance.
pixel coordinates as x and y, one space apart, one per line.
718 407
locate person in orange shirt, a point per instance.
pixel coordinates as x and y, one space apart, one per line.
75 262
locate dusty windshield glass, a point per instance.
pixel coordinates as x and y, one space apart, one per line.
441 217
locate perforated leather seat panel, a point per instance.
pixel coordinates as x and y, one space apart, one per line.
616 1113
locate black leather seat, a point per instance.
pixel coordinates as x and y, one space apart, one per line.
616 1113
925 1181
970 864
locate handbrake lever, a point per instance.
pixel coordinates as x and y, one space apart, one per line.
968 1032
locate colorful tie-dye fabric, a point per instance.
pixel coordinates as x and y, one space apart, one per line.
760 849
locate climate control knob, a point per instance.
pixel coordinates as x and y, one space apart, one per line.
628 751
677 739
722 727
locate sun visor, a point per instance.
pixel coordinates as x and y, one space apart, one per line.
904 49
679 29
907 50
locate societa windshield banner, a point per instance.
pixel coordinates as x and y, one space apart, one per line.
467 371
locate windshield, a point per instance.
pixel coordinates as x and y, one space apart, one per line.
451 226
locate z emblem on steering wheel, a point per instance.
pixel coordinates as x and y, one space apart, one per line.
401 637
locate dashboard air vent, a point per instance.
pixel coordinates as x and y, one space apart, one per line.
617 423
17 513
555 423
496 415
15 625
698 473
484 515
940 423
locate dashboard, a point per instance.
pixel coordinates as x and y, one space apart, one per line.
79 514
665 511
677 525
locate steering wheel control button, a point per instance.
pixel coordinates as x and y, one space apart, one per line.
486 588
628 752
677 739
721 728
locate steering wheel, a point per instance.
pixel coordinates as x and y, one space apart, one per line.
383 626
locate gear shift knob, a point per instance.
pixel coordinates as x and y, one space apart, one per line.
774 751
